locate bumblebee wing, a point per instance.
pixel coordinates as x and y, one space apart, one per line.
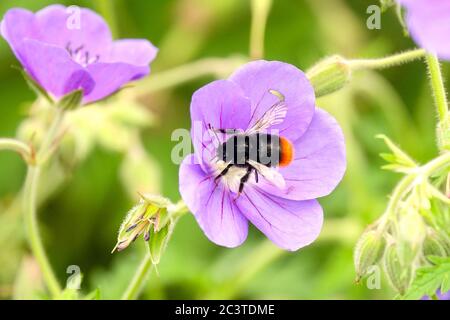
273 116
270 174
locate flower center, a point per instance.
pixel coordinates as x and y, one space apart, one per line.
81 56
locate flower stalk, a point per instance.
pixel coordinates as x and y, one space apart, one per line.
32 228
31 186
17 146
387 62
260 13
440 100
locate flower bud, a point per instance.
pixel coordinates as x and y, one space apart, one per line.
329 75
150 214
411 235
398 274
368 252
434 245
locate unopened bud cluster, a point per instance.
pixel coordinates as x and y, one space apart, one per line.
414 227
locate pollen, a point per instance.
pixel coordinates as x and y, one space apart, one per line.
286 152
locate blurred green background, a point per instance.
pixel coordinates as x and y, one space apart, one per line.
86 200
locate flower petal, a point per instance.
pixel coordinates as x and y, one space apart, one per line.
319 161
222 105
212 206
16 25
110 77
53 68
289 224
429 24
258 77
138 52
75 26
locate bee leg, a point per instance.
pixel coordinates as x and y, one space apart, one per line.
223 172
256 175
244 179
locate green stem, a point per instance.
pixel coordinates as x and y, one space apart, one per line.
399 192
34 237
387 62
436 164
218 67
30 204
408 181
437 85
260 13
107 10
17 146
136 284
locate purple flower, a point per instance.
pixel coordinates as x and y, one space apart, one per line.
429 24
265 97
64 50
440 296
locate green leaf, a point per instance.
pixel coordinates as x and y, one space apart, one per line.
71 100
398 160
429 279
36 87
158 242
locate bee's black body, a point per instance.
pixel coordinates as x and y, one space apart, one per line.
259 147
239 149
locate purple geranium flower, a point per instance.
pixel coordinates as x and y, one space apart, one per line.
280 200
64 55
440 296
429 24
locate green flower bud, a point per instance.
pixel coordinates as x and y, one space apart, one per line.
329 75
150 214
434 245
411 235
398 274
368 251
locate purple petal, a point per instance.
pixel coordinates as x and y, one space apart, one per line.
429 24
222 105
61 26
110 77
53 68
133 51
212 206
319 161
258 77
16 25
289 224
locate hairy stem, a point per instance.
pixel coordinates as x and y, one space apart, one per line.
17 146
30 204
387 62
139 278
260 13
437 86
218 67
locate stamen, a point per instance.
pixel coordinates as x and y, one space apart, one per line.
81 56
